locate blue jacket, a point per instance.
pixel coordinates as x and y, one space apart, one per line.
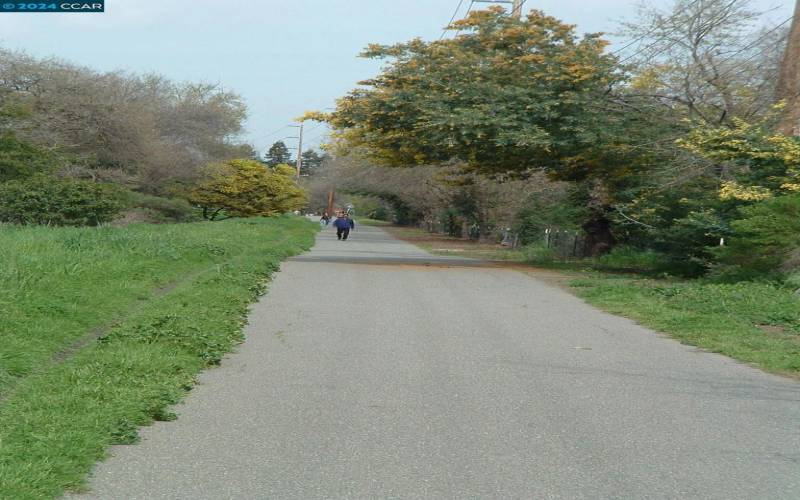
341 223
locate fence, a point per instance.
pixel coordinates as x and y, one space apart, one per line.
564 243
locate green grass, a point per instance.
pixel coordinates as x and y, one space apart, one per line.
102 329
372 222
758 323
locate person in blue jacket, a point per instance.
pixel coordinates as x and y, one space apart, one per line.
343 225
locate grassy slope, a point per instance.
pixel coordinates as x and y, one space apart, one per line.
753 322
165 301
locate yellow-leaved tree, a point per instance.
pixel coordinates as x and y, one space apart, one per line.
759 162
247 188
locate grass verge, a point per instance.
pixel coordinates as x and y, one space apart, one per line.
372 222
758 323
111 327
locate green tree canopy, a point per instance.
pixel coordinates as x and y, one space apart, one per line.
508 95
311 162
278 153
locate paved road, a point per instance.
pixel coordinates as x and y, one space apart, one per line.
372 370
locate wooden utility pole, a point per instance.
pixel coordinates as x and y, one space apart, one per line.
789 79
330 201
516 9
300 151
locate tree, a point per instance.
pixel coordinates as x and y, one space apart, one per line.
311 162
143 131
244 188
704 60
789 82
507 96
278 154
767 238
756 162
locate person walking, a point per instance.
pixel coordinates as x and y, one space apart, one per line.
342 225
325 220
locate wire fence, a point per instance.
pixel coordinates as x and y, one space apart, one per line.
563 243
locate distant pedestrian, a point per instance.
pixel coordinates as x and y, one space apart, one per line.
343 226
325 219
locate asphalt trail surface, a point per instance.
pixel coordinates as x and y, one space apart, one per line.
374 370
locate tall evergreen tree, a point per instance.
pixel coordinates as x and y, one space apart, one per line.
311 162
278 153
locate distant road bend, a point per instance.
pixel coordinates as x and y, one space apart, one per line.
375 370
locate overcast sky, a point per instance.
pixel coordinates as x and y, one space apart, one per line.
283 57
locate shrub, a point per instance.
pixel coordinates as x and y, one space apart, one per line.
542 214
161 209
539 253
20 160
59 202
763 239
626 258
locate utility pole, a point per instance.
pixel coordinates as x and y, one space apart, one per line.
331 195
516 9
789 79
300 151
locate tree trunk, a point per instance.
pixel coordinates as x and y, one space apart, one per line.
464 229
483 226
599 238
789 79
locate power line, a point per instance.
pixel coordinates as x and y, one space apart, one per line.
316 127
453 18
518 9
469 9
750 46
650 32
666 35
515 11
276 131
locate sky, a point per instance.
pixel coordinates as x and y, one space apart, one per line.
282 57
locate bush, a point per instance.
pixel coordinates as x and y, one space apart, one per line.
764 239
540 215
20 160
539 253
793 280
160 209
625 258
59 202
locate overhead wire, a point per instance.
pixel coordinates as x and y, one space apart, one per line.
648 33
750 46
453 18
276 131
660 38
